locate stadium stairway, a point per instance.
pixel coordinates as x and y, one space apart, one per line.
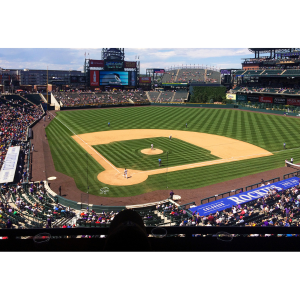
157 100
175 80
63 221
172 100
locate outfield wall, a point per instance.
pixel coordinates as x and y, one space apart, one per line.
235 106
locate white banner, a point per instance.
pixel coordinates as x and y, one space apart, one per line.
8 170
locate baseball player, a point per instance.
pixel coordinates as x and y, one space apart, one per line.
292 160
151 146
159 162
185 125
108 124
125 173
283 145
170 137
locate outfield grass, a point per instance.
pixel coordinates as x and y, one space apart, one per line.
127 154
263 130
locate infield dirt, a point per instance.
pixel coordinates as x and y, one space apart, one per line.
226 148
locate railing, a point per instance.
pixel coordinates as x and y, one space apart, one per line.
205 67
220 196
293 174
256 185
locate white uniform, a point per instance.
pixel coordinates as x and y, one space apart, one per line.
125 174
151 146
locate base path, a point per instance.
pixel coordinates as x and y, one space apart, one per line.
226 148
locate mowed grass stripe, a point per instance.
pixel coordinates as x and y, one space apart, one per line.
245 126
126 154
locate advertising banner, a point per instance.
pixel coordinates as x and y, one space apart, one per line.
159 70
145 79
96 63
231 96
114 65
9 166
279 101
129 64
114 78
94 78
241 97
253 98
295 102
132 78
225 72
228 202
265 99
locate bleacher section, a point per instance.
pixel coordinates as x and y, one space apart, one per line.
153 96
166 96
169 76
180 96
291 72
34 98
68 99
187 75
190 75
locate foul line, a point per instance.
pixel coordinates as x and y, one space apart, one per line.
87 144
217 161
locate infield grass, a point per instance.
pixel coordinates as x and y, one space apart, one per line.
127 154
263 130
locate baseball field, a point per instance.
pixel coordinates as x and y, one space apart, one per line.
216 145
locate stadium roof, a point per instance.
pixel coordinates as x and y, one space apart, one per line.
265 50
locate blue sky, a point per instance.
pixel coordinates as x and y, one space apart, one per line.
73 58
161 33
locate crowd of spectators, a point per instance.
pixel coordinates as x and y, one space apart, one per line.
115 97
15 118
28 205
277 208
91 217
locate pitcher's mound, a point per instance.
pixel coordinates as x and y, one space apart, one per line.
150 151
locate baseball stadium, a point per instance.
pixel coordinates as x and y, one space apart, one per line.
182 152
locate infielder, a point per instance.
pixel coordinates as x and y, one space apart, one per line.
151 146
170 137
125 173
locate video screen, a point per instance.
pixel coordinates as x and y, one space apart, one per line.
113 78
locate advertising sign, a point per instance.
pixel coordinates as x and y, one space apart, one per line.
225 72
279 101
113 65
253 98
130 64
94 78
113 78
9 166
145 79
265 99
295 102
228 202
231 96
132 78
241 97
159 70
96 63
